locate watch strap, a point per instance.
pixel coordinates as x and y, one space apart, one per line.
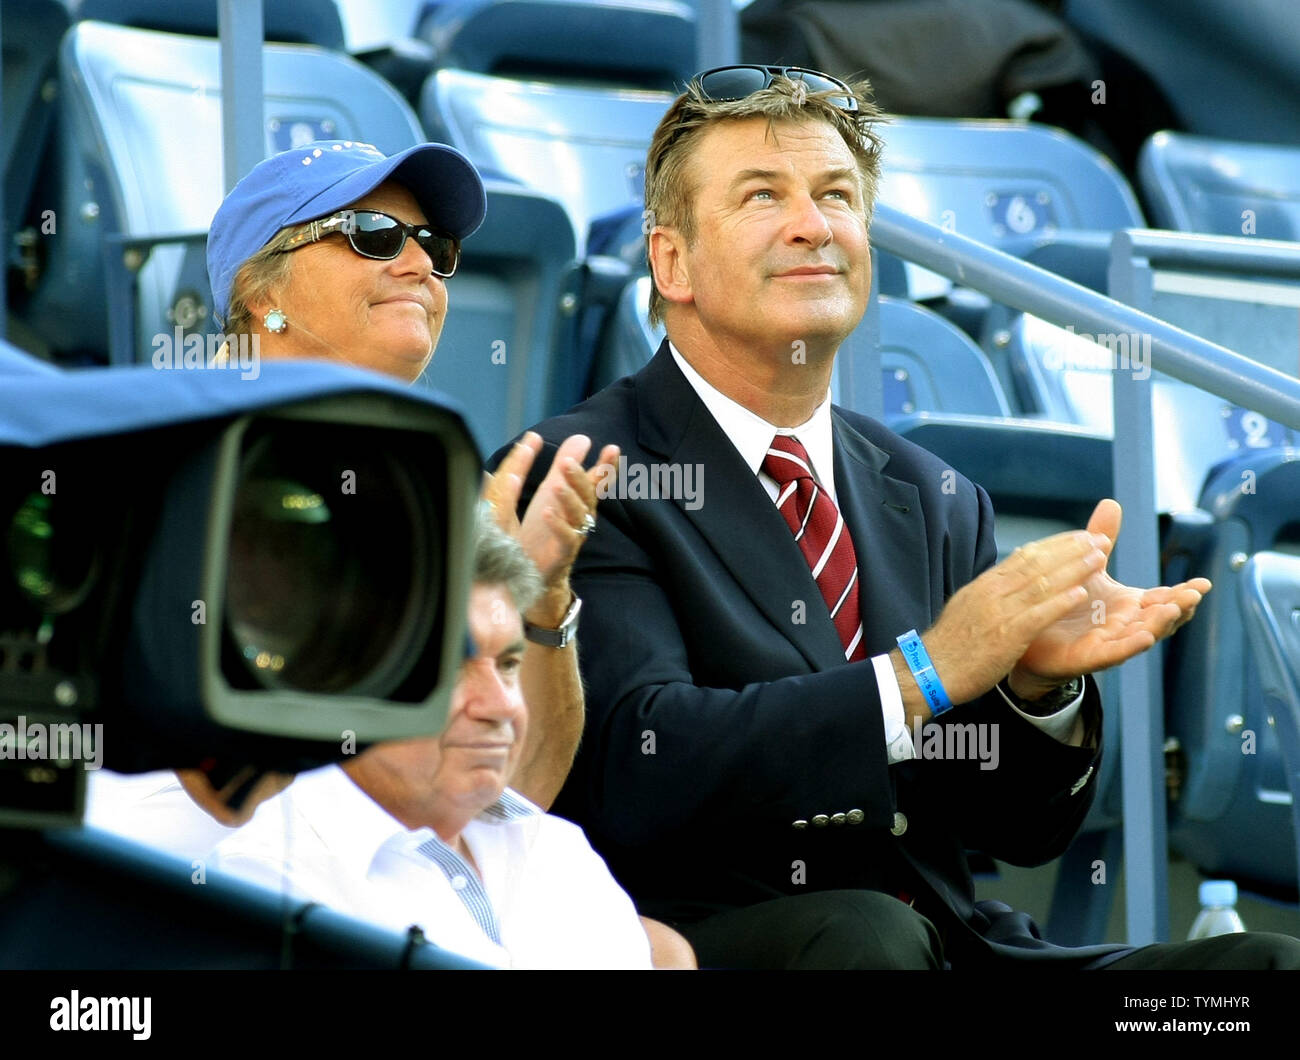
562 634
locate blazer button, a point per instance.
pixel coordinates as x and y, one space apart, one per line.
837 818
900 825
801 823
856 817
821 821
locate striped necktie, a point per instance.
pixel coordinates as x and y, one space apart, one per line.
822 536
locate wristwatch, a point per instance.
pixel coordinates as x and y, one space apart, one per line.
559 637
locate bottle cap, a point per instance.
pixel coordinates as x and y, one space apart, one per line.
1218 892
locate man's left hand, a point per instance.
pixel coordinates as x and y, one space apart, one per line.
1115 623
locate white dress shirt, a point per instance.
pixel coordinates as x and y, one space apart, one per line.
752 436
541 898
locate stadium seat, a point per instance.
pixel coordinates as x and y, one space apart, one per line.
140 178
1270 591
927 363
287 21
1233 817
1197 184
644 43
562 95
1029 190
32 31
1002 182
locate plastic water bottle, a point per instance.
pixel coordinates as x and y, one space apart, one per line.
1218 915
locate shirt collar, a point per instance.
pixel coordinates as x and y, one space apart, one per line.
752 435
356 828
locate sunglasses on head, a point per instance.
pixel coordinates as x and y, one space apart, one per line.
725 83
377 235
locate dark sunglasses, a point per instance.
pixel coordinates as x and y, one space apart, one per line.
376 235
724 83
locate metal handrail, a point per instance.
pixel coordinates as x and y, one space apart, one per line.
1052 298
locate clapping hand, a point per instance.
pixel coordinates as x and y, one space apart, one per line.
563 510
1112 623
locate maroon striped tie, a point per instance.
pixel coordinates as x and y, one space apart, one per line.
822 536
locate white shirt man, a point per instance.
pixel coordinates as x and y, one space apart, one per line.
541 898
426 832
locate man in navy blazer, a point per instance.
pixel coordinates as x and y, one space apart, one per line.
763 775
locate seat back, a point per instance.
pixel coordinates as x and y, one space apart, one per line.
927 363
1199 184
563 96
1002 182
585 146
1270 596
32 30
630 43
1029 190
287 21
1235 799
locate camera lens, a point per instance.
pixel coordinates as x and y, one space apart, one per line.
330 586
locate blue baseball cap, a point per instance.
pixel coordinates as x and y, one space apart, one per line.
320 178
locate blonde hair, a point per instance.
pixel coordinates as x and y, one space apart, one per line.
669 194
265 270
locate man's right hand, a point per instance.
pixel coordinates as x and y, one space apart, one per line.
989 624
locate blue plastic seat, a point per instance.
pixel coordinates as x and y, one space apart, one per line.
286 21
1005 183
1029 190
1270 592
1198 184
631 43
32 30
563 96
1233 816
928 363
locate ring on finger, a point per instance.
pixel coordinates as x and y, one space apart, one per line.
588 524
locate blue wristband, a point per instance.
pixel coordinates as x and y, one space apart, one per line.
918 661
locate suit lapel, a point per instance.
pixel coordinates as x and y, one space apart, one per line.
884 517
737 517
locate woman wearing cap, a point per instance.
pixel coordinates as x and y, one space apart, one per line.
334 251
